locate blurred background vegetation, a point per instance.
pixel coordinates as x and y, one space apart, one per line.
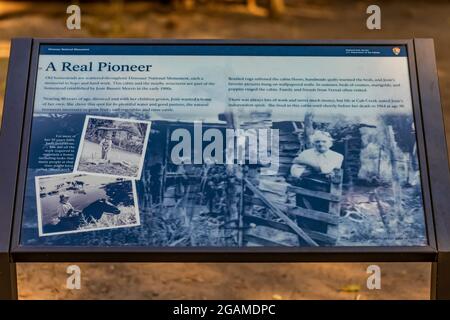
230 19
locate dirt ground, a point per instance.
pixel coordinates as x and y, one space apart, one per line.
224 281
316 19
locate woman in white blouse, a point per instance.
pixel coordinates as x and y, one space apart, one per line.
319 159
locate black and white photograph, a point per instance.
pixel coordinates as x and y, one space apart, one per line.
72 203
112 147
341 181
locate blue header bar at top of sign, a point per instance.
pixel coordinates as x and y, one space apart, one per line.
228 50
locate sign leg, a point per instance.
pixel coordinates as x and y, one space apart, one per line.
440 277
8 279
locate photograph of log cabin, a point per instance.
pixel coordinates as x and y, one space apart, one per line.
366 192
339 181
363 168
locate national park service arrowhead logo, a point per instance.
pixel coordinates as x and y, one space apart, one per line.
396 50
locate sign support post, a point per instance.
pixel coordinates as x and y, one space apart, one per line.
10 142
8 278
439 173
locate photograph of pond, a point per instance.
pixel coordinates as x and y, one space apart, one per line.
69 203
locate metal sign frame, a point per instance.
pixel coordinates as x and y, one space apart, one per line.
15 139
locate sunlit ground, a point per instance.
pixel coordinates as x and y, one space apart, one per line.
225 281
